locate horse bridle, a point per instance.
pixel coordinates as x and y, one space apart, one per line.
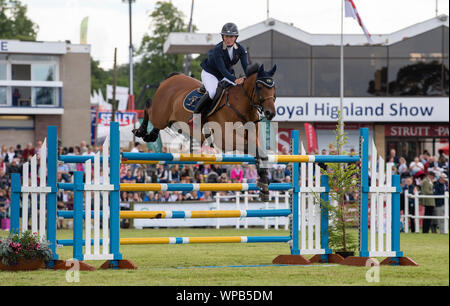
266 82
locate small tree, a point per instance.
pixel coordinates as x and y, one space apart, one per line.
343 178
14 23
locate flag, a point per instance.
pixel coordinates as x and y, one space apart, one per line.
351 11
311 138
83 30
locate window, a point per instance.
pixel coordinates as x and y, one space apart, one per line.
326 77
445 35
415 77
365 77
29 76
44 96
2 71
326 51
446 76
3 95
428 44
292 77
43 72
21 72
259 46
284 46
365 51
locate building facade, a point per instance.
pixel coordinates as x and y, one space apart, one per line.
398 86
41 84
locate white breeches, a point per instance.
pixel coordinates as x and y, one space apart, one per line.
211 82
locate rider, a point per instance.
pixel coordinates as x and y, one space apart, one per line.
218 65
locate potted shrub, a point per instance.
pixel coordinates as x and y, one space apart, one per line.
343 179
23 251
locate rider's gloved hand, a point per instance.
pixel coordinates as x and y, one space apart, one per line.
239 81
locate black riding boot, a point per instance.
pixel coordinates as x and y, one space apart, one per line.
201 106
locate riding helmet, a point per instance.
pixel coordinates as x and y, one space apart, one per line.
230 29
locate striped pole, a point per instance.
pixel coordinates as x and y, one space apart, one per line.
201 187
204 214
189 240
168 162
239 158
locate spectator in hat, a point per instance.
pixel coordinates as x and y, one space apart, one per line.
427 189
439 188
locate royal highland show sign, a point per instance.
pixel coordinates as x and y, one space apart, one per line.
363 109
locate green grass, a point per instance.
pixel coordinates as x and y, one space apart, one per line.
172 265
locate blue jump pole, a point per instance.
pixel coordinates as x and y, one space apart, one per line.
114 200
364 206
295 194
78 216
15 203
324 196
395 227
52 160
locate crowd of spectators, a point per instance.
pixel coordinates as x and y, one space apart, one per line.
417 175
426 175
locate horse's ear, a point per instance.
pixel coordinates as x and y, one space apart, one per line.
272 71
261 69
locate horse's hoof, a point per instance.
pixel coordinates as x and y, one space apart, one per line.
139 133
263 191
151 137
263 196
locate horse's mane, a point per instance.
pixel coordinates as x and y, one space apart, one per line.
251 69
172 74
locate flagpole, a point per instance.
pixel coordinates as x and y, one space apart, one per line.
341 100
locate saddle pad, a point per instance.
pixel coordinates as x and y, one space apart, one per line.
192 98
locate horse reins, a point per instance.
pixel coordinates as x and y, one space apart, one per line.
250 99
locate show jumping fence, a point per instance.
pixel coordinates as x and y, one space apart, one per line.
308 220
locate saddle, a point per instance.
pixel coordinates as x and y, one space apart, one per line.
192 98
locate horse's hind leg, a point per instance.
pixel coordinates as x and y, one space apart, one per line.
142 130
152 136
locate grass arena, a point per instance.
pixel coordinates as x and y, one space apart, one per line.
299 255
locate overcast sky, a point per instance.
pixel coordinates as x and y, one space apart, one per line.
108 27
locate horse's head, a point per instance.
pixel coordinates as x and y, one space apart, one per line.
265 91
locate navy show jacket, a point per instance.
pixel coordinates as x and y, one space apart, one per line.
219 64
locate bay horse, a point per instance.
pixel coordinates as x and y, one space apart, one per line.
241 103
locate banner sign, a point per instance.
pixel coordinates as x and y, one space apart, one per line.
409 130
311 139
34 47
128 118
283 140
376 109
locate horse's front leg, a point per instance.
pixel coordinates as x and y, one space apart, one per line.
252 146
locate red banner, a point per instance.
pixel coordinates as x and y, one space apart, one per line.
409 130
283 139
311 139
